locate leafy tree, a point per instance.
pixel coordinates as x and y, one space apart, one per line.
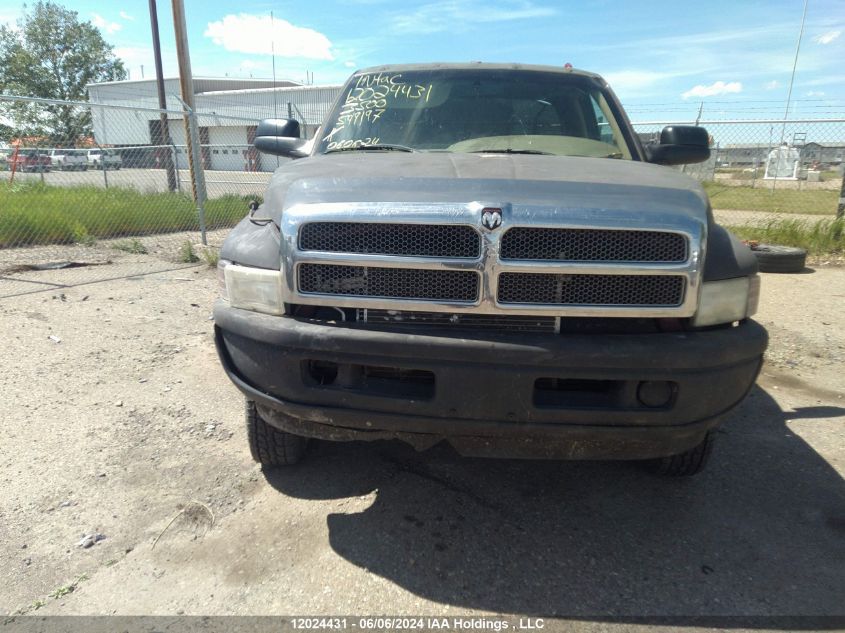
51 54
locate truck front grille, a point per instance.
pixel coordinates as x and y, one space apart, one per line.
583 290
410 240
392 283
593 245
432 264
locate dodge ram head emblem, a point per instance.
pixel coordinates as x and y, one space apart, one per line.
491 218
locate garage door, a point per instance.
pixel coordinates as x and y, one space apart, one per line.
227 148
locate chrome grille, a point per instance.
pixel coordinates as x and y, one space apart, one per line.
577 245
412 240
393 283
604 262
401 319
579 290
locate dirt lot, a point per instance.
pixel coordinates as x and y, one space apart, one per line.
126 427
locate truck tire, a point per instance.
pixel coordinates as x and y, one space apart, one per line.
772 258
270 446
685 464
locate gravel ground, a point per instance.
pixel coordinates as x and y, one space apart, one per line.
118 421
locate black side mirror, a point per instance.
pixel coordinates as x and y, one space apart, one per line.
280 137
679 145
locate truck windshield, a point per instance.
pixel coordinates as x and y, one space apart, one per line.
485 110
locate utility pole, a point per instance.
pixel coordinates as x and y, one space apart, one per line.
163 136
186 82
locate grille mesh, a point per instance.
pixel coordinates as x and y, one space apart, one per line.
593 245
394 283
628 290
391 239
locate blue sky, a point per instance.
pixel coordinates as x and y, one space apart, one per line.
662 58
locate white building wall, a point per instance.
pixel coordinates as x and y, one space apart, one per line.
221 108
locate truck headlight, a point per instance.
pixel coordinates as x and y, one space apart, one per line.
221 278
727 301
255 289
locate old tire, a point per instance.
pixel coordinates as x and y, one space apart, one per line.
270 446
687 463
772 258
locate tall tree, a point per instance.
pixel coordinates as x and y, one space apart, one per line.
51 54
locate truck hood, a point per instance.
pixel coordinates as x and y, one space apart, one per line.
564 182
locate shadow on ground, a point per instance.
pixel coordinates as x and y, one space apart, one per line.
760 533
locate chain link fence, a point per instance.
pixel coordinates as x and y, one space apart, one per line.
91 192
768 170
98 191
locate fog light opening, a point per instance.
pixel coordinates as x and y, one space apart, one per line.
322 372
656 393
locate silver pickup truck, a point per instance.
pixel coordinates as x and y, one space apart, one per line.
487 255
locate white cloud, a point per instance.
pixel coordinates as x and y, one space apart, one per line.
250 64
451 15
125 16
9 17
771 85
827 38
256 35
104 25
815 93
350 64
627 80
716 88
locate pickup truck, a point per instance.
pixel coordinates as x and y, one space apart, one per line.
103 159
487 255
70 159
32 160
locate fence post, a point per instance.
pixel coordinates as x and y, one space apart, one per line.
840 208
103 164
175 161
199 171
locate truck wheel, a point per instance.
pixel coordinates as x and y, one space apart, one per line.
687 463
270 446
772 258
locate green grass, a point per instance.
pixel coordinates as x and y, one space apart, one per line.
825 237
187 255
211 256
34 213
133 246
809 201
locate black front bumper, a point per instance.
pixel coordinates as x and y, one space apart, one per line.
516 394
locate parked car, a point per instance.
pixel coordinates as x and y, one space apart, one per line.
69 159
32 160
104 159
465 254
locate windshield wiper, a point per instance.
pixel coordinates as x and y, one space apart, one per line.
510 150
378 147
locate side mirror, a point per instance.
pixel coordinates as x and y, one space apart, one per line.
280 137
679 145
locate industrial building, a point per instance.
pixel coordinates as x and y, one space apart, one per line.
228 113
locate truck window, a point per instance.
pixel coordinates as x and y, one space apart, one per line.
475 111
